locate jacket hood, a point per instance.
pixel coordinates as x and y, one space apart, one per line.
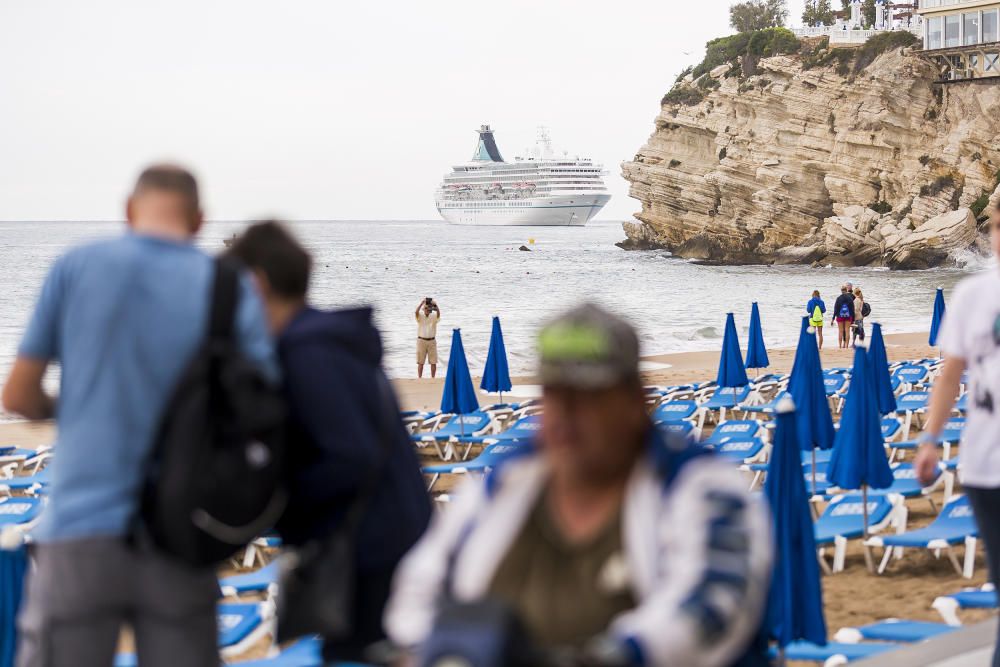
351 328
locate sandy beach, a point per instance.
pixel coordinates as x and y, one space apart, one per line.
852 597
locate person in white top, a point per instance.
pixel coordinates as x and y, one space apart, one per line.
970 341
428 315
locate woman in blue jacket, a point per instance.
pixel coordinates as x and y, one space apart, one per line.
815 309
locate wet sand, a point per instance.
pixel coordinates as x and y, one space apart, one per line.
852 597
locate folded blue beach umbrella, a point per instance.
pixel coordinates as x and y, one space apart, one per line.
795 602
859 459
496 375
814 423
13 566
459 395
936 317
756 350
732 372
879 362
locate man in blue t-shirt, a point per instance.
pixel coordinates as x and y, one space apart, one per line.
122 318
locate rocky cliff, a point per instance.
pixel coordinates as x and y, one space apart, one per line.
804 162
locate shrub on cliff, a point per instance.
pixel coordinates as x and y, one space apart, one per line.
683 94
937 186
760 43
881 43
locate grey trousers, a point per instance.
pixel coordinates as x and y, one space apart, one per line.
986 507
81 593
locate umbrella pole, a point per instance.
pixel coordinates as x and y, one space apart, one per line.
864 513
814 469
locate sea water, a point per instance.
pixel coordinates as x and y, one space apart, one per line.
475 273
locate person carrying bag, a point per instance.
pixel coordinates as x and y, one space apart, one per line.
357 500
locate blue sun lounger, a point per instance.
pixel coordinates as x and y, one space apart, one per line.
722 399
893 630
911 375
683 428
303 653
969 598
951 435
909 404
27 483
525 428
766 408
954 525
264 580
673 411
19 511
808 652
488 459
472 424
905 483
834 383
242 624
741 451
892 428
734 429
842 520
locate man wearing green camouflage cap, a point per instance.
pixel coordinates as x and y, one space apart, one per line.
609 540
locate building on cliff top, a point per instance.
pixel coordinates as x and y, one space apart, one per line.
962 37
849 30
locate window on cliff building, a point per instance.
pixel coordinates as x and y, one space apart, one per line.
952 30
990 24
971 21
934 33
991 63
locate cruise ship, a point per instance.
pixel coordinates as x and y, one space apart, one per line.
541 188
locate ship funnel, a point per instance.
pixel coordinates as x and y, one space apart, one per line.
486 147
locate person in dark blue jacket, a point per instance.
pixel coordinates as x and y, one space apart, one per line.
331 365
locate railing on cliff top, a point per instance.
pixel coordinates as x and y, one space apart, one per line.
838 35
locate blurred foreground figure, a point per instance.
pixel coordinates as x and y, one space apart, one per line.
353 478
605 545
122 318
970 341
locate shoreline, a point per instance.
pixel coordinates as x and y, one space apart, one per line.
681 368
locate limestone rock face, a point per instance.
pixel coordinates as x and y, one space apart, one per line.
785 166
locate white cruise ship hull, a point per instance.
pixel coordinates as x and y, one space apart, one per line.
553 211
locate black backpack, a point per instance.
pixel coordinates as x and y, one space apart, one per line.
866 309
214 480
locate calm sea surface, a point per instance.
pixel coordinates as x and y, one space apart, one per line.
475 273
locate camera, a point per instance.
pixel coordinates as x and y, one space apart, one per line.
429 301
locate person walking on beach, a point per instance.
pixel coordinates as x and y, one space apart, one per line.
816 309
843 315
428 315
605 539
347 438
122 317
970 341
858 329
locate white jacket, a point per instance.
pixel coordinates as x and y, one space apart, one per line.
697 550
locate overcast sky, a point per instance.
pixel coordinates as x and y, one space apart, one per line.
323 109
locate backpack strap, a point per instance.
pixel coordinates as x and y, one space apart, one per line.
225 296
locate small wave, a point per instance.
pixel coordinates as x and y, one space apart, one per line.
705 332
